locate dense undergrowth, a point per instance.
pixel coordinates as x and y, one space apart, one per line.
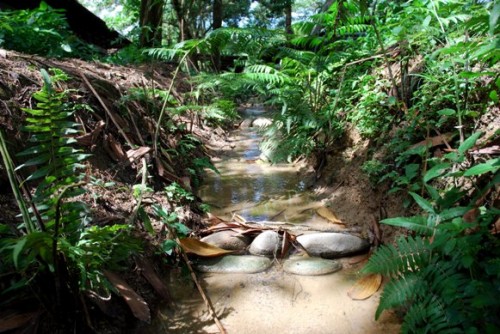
418 79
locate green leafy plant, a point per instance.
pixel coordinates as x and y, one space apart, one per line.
42 31
444 277
55 251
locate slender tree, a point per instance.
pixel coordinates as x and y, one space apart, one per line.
150 20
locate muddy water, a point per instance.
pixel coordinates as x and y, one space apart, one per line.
273 301
253 189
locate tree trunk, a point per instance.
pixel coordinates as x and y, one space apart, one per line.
216 24
150 21
217 14
288 17
179 7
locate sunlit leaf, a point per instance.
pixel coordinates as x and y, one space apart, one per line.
489 166
328 215
365 287
137 304
195 246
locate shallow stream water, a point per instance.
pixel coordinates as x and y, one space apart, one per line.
272 301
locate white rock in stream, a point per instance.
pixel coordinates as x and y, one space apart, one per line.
261 122
332 245
311 266
236 264
229 240
267 243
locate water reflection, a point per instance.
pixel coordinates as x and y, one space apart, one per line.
252 188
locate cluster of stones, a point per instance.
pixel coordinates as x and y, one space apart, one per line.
323 247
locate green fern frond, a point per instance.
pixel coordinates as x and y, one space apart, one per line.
265 74
409 255
57 161
399 292
428 316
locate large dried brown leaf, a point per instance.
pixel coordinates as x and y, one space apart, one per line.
137 304
150 274
365 287
12 321
214 220
434 141
358 259
134 154
471 215
200 248
328 215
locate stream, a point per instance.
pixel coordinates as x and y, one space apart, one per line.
272 301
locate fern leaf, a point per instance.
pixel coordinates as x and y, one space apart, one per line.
410 255
399 292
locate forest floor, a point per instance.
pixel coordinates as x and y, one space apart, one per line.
118 132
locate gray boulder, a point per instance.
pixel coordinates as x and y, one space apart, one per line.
267 243
332 245
229 240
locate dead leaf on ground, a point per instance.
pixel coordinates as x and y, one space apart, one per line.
13 321
150 274
137 304
492 150
239 218
471 215
328 215
434 141
137 153
214 220
358 259
496 227
195 246
365 287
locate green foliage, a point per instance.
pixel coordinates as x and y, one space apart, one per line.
58 241
444 276
42 31
178 194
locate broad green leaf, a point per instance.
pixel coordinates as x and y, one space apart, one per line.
411 171
489 166
18 248
435 171
494 16
453 213
424 204
416 223
446 112
433 192
146 221
494 95
168 246
469 143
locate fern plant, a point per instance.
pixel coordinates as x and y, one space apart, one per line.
445 277
55 252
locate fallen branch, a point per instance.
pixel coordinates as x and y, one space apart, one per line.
111 115
196 282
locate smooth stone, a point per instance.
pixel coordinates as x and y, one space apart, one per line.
235 264
261 122
229 240
267 243
311 266
332 245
